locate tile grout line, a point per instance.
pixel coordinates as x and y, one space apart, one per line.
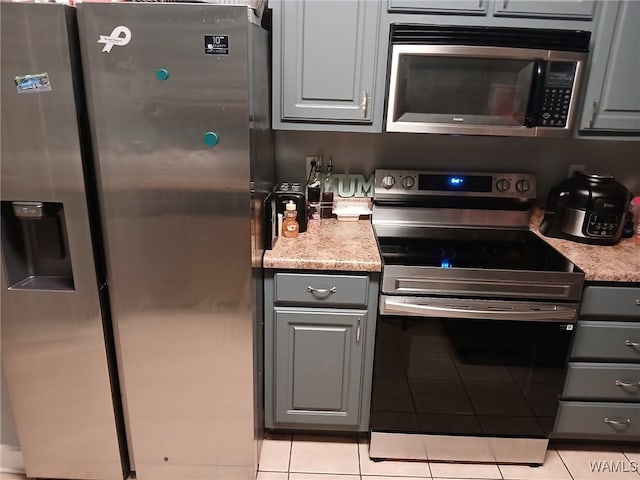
290 457
563 462
358 453
629 459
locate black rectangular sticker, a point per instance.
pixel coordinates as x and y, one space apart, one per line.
216 44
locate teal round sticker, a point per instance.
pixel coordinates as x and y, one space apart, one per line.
162 74
211 139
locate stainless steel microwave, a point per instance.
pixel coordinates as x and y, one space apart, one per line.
484 81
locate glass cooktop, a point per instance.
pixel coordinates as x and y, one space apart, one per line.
474 248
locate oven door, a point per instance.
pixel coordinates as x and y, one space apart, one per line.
481 90
467 380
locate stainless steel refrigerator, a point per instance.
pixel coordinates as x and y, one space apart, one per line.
178 99
55 344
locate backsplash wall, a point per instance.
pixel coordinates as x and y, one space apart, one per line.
549 159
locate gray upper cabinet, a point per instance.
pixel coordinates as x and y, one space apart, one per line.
612 99
460 7
325 55
568 9
579 9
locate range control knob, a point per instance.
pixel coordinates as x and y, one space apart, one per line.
503 185
388 182
523 186
408 182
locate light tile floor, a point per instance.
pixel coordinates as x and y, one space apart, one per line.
300 457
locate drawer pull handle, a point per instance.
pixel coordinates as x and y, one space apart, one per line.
623 383
638 301
321 291
631 344
616 421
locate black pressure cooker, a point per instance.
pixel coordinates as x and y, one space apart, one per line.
587 208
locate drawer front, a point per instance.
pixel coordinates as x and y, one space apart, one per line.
604 381
607 341
599 419
319 289
603 302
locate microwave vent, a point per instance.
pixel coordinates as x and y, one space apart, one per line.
546 39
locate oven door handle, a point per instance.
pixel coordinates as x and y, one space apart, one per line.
561 314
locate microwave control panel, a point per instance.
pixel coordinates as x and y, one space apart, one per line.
558 83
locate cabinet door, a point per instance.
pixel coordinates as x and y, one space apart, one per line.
468 7
612 101
318 366
580 9
328 60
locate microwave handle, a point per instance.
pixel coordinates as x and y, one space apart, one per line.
537 92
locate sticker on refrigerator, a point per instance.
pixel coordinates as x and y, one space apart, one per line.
216 44
38 82
119 36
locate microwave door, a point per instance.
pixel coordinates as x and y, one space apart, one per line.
464 89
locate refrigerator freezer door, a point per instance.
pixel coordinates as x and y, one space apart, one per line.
53 344
172 152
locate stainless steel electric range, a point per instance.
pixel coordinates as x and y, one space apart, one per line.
476 317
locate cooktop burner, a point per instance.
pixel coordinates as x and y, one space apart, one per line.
474 248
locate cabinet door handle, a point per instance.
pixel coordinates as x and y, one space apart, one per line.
624 383
617 421
364 104
638 301
504 4
594 112
631 344
480 3
358 331
321 291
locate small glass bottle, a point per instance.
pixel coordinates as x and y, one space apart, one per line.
314 185
313 224
636 219
327 191
290 225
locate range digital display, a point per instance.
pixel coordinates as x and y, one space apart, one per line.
456 183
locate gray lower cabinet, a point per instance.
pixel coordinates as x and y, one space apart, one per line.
319 334
324 61
599 420
318 365
612 98
601 395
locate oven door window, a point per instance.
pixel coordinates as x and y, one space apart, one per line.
468 377
458 90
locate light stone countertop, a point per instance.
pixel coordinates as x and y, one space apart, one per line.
351 246
600 263
345 246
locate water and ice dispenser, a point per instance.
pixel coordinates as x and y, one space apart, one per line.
36 246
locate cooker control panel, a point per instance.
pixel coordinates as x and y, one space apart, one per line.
603 226
401 183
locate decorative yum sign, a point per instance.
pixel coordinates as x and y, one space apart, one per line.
346 185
